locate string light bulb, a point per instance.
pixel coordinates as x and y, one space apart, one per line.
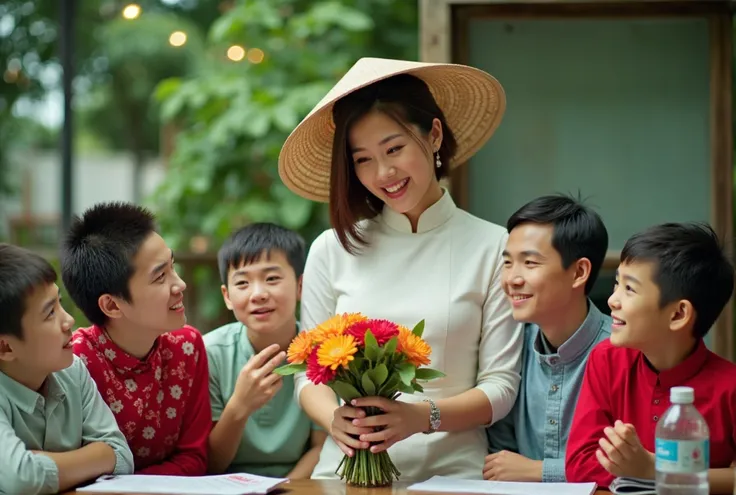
132 11
236 53
255 55
178 38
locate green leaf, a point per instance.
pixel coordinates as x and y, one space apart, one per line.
407 372
285 117
290 369
372 352
345 390
355 367
257 125
368 386
167 88
418 329
223 28
417 387
389 347
428 374
405 389
390 386
379 374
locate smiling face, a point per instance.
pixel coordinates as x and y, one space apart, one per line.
46 343
263 294
638 320
391 163
156 291
538 286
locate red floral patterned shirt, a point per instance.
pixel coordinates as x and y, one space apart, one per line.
162 403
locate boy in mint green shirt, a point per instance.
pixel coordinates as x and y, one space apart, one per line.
259 428
56 431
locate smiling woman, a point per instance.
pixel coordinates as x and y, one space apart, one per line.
383 154
399 127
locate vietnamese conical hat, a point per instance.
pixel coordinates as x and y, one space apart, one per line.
472 101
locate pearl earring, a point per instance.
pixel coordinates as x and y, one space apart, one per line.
437 161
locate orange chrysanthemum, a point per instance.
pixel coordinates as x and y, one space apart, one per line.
337 351
300 348
335 326
416 350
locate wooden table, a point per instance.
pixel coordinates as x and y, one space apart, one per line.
331 487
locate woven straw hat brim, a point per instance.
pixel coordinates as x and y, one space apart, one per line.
472 101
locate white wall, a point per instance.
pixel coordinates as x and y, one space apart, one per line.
96 177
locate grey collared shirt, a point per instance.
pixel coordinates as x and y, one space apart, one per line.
539 423
68 416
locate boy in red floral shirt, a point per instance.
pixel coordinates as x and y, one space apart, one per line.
149 366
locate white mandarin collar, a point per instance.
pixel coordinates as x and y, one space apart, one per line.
433 217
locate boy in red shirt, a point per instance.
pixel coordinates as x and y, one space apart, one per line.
149 366
671 285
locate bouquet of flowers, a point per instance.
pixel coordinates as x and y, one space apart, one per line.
361 357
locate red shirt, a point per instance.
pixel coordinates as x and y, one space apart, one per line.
162 403
620 384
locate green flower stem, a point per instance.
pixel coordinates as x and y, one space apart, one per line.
367 469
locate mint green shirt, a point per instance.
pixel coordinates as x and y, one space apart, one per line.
275 436
70 415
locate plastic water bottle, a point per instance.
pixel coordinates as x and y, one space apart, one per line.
682 447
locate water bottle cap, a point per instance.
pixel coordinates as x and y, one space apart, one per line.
682 395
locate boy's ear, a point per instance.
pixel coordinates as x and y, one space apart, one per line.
109 306
582 272
682 316
6 349
226 297
299 287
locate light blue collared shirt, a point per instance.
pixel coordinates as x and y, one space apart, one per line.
69 415
539 423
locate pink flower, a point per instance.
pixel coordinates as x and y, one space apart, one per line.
382 330
316 373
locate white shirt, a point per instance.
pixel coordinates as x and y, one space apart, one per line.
449 274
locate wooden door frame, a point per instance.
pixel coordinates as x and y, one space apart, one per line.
443 26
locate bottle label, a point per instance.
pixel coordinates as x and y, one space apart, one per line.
682 456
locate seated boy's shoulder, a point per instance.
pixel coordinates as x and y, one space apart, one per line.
604 353
75 375
187 339
723 370
82 339
224 336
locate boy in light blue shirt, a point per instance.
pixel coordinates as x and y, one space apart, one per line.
259 428
554 252
56 431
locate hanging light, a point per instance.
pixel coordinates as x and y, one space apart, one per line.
132 11
236 53
255 55
178 38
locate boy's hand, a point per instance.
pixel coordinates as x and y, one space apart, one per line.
509 466
622 454
257 383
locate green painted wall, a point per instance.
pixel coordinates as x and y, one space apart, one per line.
615 109
618 109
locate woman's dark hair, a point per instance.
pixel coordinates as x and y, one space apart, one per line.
403 98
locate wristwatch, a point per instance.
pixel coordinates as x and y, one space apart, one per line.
434 417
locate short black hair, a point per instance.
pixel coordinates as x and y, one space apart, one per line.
689 264
97 254
21 272
247 244
577 231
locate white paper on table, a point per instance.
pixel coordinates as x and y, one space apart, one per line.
455 485
225 484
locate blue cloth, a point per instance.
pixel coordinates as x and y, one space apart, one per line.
539 423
